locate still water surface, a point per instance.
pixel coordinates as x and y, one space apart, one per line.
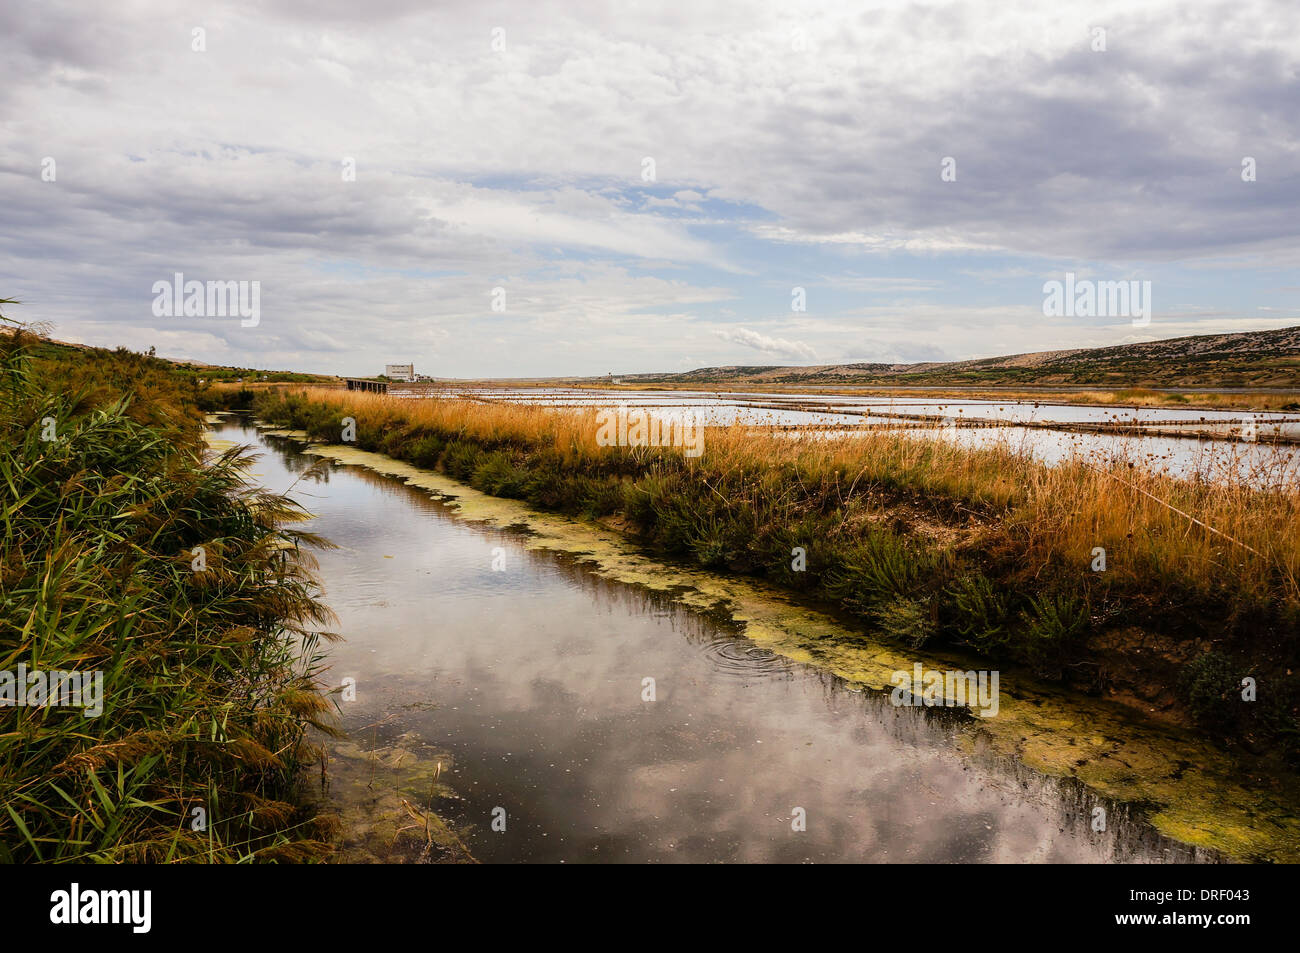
525 687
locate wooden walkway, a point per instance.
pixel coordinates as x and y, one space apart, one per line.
376 387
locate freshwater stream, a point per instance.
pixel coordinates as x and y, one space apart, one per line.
518 693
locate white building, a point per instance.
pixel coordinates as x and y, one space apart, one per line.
400 372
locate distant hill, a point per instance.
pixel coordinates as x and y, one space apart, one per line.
1246 359
198 369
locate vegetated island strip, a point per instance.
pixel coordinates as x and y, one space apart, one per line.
924 542
1183 784
134 561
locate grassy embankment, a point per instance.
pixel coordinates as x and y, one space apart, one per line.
1121 397
921 541
208 671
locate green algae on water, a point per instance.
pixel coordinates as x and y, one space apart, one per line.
1189 790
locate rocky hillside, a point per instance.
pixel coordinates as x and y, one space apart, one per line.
1247 359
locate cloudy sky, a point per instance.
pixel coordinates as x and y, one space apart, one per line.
646 182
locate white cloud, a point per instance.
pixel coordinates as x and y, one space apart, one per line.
768 345
523 168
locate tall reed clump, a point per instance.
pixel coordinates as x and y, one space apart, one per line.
126 552
921 538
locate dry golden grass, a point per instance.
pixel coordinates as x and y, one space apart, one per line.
1227 536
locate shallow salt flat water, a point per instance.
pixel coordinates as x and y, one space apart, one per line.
525 687
1158 447
1020 411
1255 464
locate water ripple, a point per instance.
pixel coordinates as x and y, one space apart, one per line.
741 658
